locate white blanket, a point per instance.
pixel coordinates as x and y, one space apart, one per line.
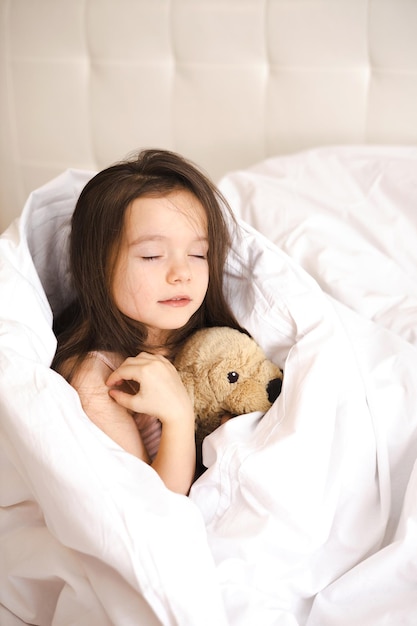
307 516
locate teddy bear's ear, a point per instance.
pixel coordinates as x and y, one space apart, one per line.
188 382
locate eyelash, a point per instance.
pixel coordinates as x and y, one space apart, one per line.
195 256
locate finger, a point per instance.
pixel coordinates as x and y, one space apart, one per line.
124 372
132 363
146 356
125 400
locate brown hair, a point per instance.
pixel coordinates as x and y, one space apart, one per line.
92 321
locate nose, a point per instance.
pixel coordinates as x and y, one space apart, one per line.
273 389
179 271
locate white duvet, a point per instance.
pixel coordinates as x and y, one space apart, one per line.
307 515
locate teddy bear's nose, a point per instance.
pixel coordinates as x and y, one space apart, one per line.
273 389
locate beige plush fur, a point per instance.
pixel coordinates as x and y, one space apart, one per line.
225 371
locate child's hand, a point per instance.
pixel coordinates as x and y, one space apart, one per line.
161 392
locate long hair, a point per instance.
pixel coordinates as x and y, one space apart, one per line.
93 321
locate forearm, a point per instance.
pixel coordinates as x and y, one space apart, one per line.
175 461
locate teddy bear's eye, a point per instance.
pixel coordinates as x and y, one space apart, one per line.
233 377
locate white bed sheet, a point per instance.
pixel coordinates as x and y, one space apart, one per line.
348 216
307 515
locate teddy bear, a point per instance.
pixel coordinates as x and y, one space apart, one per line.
225 373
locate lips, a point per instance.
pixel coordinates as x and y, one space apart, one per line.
177 301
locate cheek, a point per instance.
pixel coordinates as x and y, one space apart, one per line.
204 277
133 286
125 285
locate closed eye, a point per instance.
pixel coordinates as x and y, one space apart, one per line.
150 258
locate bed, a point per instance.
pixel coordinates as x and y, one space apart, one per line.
304 114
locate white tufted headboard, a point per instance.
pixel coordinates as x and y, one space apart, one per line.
225 82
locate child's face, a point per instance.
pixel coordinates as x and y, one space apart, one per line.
161 274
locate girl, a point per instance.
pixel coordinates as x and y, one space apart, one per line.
147 249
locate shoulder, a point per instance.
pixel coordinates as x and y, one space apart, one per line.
94 367
89 379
